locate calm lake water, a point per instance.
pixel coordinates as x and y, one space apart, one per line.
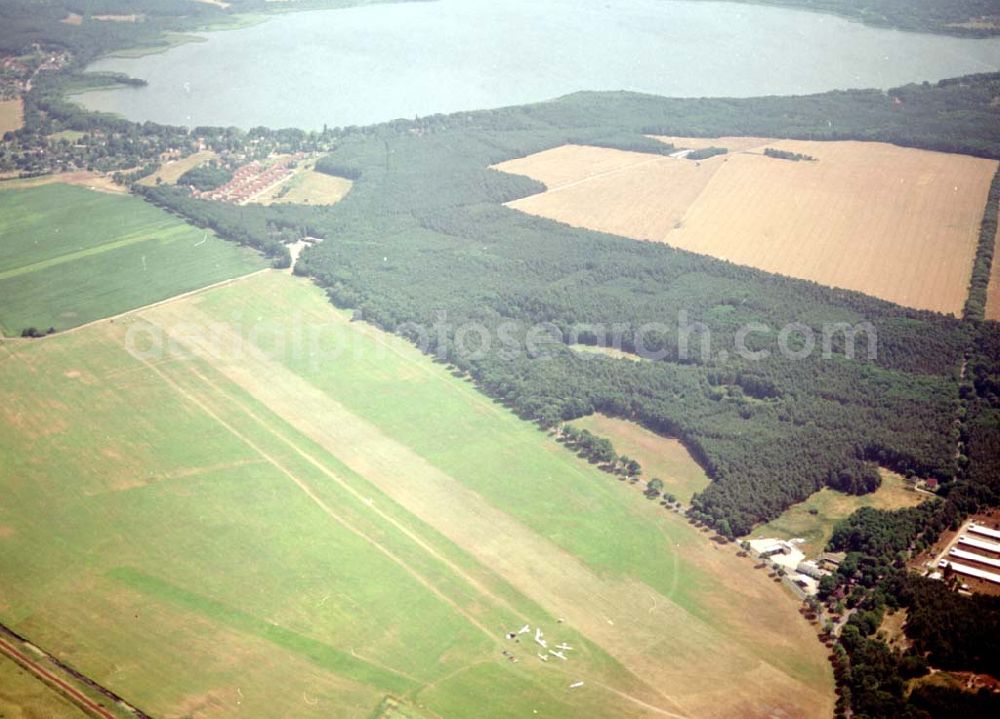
379 62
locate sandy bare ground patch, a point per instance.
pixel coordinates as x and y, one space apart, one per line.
993 290
11 115
6 531
896 223
630 620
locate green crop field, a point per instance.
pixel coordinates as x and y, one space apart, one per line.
69 255
314 519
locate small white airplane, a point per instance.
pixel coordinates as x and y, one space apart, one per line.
558 654
564 646
576 685
525 629
543 657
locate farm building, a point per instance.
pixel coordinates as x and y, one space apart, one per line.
972 557
811 569
979 544
984 531
973 572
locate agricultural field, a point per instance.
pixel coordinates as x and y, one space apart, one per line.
23 696
308 187
69 256
318 520
899 224
830 506
170 171
662 457
11 115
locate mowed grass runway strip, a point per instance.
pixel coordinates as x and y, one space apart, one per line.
899 224
306 534
69 256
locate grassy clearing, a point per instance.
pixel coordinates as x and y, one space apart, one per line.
68 135
11 115
322 531
831 506
659 456
69 256
308 187
607 352
170 171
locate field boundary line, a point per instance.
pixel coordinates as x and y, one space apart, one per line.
126 313
50 679
76 255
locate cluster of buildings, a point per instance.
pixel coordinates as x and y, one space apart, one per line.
801 573
249 181
17 71
975 553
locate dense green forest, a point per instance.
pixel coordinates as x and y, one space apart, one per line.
951 17
205 177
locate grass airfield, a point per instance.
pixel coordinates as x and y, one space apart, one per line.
346 529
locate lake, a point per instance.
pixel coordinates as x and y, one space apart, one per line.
373 63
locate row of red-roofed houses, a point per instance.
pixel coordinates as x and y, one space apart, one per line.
248 181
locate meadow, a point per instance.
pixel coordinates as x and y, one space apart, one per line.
69 256
169 171
11 115
661 457
318 520
308 187
899 224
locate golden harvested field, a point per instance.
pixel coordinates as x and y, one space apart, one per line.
170 171
11 115
309 187
993 291
835 221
